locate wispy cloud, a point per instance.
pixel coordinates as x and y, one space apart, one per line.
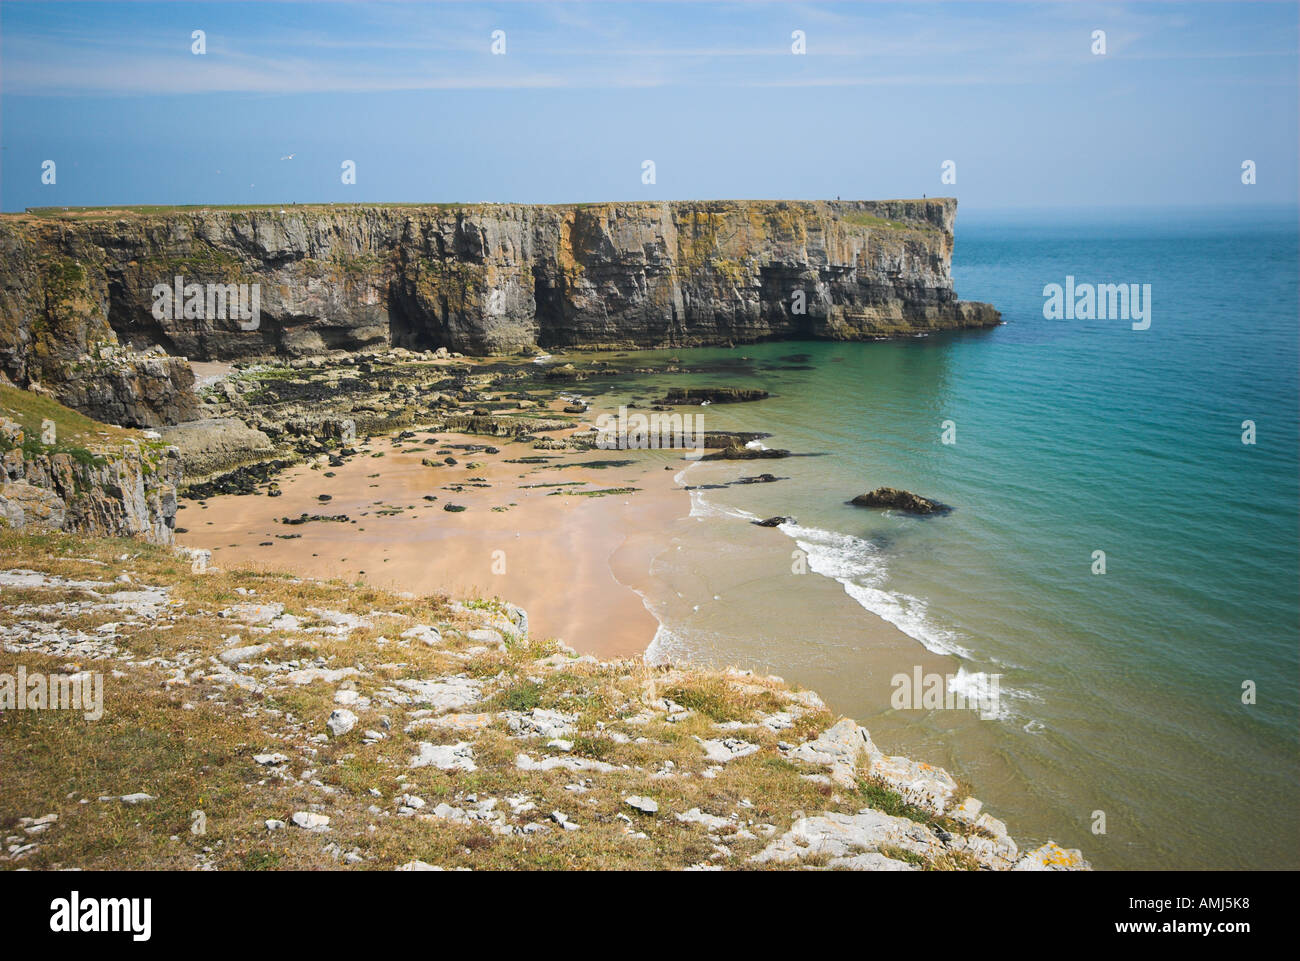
295 48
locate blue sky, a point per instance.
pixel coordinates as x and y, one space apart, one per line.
585 92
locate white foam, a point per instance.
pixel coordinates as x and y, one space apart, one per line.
665 648
977 687
701 507
857 565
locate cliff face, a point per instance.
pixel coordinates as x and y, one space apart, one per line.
76 288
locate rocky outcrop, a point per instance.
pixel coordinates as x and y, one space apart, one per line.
56 336
479 279
131 493
126 387
747 453
216 445
900 500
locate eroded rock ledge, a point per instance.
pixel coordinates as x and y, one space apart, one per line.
76 286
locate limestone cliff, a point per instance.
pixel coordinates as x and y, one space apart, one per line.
76 287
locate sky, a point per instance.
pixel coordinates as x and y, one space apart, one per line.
584 94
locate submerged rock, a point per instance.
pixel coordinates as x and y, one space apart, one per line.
746 453
713 395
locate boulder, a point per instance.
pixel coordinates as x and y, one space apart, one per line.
341 720
899 500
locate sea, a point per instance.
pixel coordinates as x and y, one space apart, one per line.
1119 575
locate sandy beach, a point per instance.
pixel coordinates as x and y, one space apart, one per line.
575 562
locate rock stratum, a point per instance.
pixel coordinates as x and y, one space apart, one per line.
77 305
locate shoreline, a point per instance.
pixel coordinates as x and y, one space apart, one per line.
693 608
543 550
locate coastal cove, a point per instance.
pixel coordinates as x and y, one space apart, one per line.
512 441
1117 694
1092 602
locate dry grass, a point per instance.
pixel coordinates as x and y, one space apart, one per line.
191 745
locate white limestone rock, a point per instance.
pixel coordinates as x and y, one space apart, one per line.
425 634
525 763
341 721
445 757
1052 857
439 694
540 722
643 804
310 821
723 750
241 655
847 835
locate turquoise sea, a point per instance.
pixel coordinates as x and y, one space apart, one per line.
1122 692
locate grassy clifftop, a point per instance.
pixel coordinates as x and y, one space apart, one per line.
74 431
253 720
136 211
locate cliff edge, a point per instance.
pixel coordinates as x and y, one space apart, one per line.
80 316
333 725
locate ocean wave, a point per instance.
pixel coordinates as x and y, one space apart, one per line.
702 507
977 687
859 568
665 648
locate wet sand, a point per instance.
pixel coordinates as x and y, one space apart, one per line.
575 563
